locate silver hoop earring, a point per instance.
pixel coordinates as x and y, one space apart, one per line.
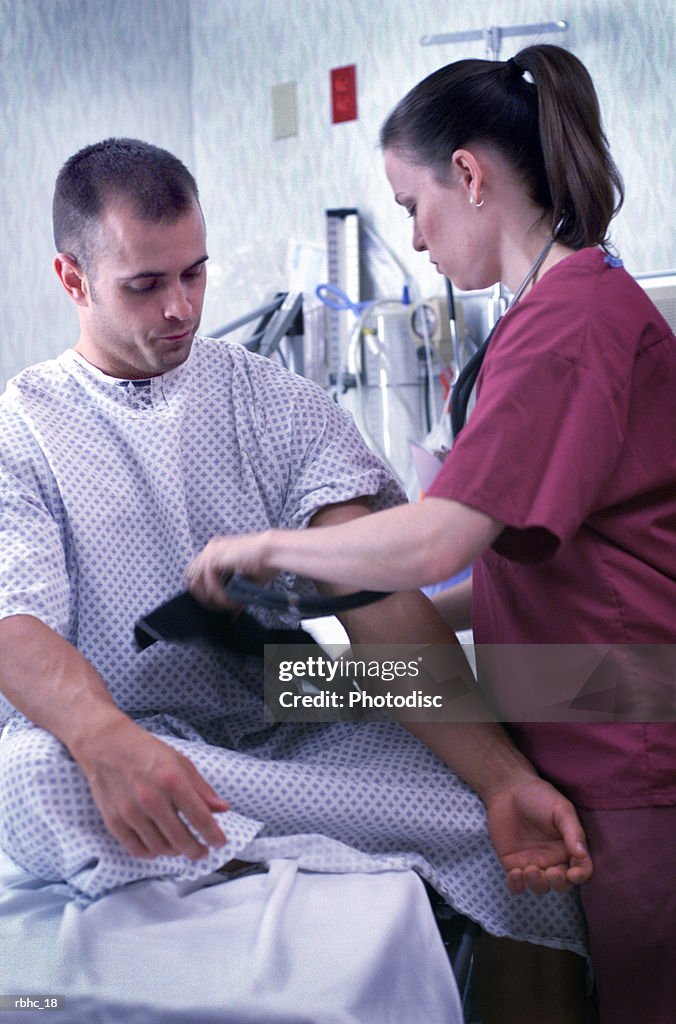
473 202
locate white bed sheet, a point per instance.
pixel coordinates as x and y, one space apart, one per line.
278 947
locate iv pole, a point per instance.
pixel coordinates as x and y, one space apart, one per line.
493 36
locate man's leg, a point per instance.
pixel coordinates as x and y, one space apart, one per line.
41 788
51 826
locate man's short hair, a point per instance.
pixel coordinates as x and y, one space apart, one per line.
156 183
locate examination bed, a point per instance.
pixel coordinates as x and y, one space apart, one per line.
281 946
277 944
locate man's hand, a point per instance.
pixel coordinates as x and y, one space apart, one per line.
148 793
538 837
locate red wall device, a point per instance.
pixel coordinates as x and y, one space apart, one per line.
344 94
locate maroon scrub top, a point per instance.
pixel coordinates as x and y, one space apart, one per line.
572 444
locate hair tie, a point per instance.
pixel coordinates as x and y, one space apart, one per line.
521 73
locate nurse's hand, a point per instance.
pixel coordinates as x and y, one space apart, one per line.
538 838
223 557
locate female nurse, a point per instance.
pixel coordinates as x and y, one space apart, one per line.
560 487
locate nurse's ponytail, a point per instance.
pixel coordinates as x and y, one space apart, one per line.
584 184
540 109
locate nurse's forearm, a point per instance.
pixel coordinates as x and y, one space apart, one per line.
398 549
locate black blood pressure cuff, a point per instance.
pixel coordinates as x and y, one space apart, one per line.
183 620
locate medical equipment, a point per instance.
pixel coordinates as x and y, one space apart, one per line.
182 619
493 35
342 244
244 590
385 362
281 316
439 324
389 381
383 365
383 358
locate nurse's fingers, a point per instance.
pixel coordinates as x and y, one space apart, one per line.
205 583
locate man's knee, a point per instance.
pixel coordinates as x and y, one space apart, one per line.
25 754
36 778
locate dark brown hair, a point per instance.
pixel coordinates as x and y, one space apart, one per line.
156 183
547 122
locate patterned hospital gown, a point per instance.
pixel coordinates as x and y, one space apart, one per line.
107 489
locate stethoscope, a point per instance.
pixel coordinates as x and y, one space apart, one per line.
467 378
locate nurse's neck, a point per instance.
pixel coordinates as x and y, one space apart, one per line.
557 253
529 270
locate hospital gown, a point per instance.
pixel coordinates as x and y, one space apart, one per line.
108 489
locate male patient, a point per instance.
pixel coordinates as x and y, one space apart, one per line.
118 461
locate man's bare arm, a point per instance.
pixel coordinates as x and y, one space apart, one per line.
455 605
138 782
535 830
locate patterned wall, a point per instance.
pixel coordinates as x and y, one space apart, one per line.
73 72
196 77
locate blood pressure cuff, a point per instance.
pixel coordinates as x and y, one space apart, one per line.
183 620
